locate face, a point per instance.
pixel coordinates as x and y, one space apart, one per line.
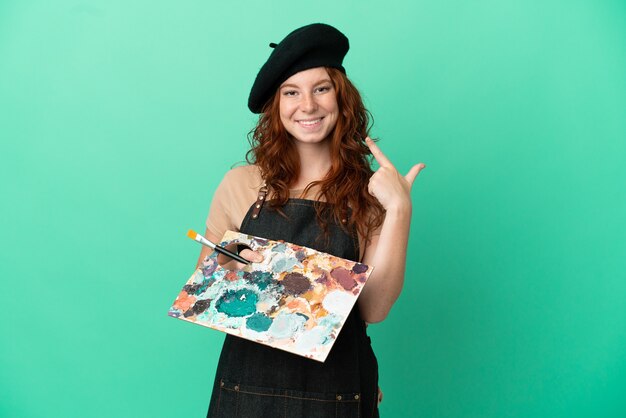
308 105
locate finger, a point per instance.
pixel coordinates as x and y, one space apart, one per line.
413 172
377 153
251 255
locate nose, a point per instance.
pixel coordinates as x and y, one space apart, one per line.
308 103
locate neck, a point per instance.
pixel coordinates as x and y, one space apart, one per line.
314 163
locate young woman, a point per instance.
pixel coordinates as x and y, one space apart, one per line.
309 182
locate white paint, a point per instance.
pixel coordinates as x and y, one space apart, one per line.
312 339
338 302
286 325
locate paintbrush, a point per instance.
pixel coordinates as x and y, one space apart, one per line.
202 240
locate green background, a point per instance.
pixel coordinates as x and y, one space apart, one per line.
119 118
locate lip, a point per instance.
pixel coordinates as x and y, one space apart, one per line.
306 123
309 120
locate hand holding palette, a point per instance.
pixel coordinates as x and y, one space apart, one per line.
296 300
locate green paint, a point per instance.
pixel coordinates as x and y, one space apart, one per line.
262 279
259 322
237 302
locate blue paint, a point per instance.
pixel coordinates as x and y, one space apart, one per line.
330 321
300 255
259 322
286 325
280 248
285 264
237 303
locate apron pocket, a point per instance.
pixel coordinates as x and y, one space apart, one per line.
322 405
236 400
245 401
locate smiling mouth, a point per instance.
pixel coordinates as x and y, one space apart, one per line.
310 123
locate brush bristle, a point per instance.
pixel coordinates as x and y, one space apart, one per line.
192 234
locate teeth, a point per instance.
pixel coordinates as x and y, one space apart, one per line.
309 122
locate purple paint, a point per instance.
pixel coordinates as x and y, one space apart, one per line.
295 284
343 277
359 268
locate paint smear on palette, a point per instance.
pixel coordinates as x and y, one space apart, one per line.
296 300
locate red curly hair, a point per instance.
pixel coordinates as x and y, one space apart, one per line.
345 184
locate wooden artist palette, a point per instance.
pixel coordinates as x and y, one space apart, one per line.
296 300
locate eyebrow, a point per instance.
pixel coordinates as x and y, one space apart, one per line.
316 84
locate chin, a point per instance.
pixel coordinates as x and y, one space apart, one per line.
310 139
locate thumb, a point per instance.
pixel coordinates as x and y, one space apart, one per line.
251 255
413 172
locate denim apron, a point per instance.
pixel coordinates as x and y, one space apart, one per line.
255 381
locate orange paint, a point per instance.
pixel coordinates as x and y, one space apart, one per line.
184 301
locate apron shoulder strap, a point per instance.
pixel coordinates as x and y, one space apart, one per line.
259 201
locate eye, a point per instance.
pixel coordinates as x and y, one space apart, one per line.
289 93
323 89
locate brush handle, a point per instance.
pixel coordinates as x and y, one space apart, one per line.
232 255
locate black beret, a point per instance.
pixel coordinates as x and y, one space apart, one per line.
315 45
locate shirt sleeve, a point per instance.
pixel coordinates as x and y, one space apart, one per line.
232 199
220 217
